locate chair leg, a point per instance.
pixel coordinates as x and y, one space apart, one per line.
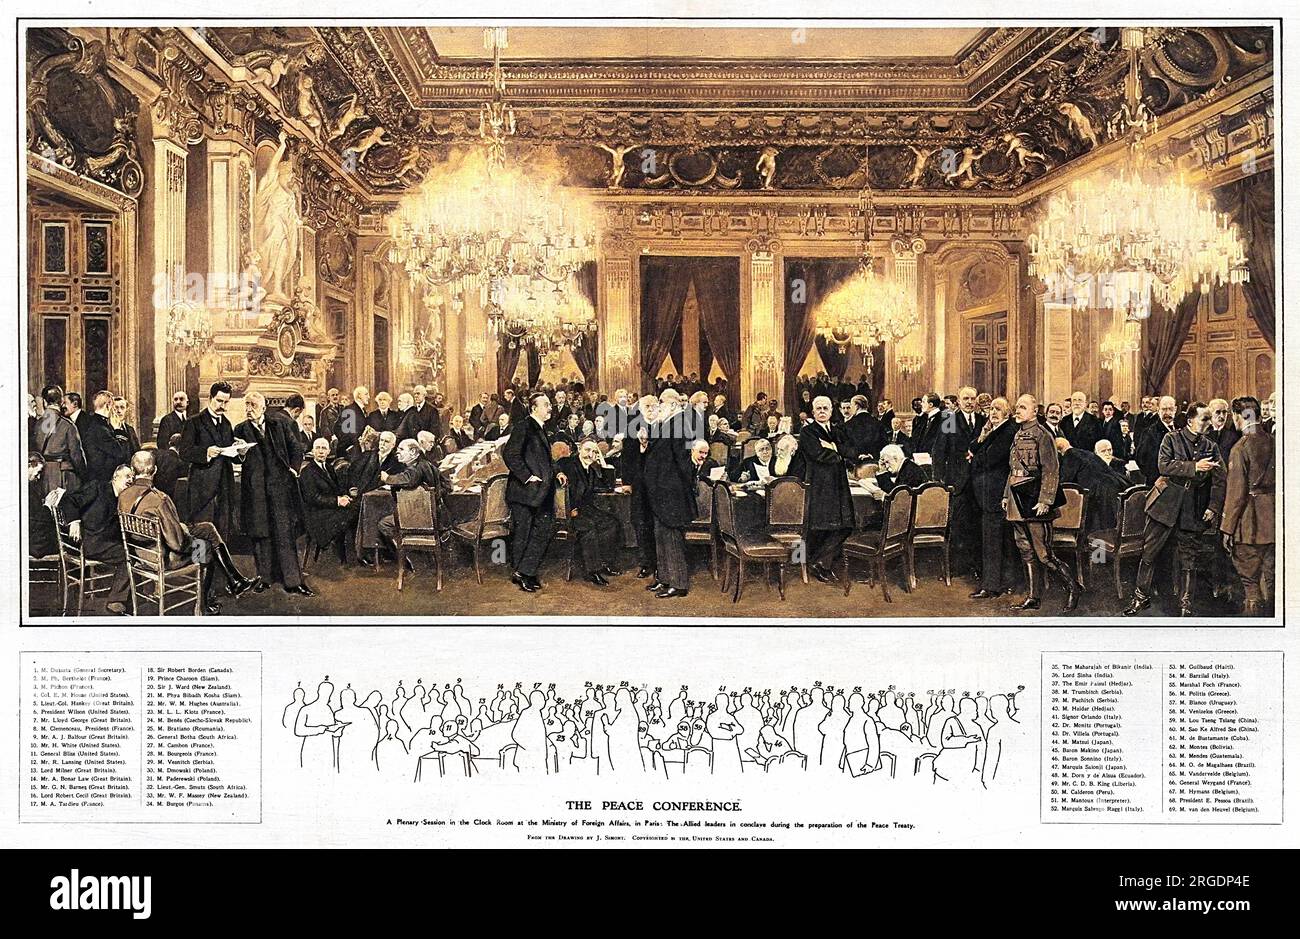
198 593
740 579
884 577
1119 587
1080 566
947 563
401 567
848 582
162 594
803 569
780 579
909 562
437 566
81 588
726 572
135 606
713 559
478 569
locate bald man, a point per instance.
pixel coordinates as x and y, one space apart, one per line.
1147 453
1031 499
827 454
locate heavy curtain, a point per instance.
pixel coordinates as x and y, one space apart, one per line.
717 290
818 276
1249 202
586 355
1166 331
507 362
664 285
534 365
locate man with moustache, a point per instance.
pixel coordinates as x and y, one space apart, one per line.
530 492
352 420
59 444
1080 426
327 416
105 450
174 420
329 510
671 486
990 464
1156 429
211 473
1249 507
598 532
958 430
632 472
825 448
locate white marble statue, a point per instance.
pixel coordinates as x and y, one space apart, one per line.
276 219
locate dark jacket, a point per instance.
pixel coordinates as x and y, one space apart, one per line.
105 450
950 449
351 423
925 432
96 507
169 469
1082 433
381 421
42 538
1224 439
798 465
1089 471
268 474
320 488
1181 495
830 504
527 453
171 423
212 482
1147 454
1249 505
670 474
909 475
990 464
866 435
1110 430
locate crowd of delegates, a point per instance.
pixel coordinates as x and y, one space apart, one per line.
938 736
1210 504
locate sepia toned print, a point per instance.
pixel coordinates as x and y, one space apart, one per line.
609 320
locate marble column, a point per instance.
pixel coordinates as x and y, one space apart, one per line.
762 352
167 263
620 339
902 388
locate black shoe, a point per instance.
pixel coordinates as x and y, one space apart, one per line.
259 585
670 592
211 608
656 587
822 574
365 561
239 588
517 579
597 578
645 572
532 579
611 571
983 594
1138 604
117 609
301 590
1028 603
528 585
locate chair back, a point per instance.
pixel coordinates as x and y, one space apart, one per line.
562 505
786 498
704 501
897 521
1073 513
449 444
1130 515
933 507
724 511
742 436
70 551
493 508
719 452
748 447
142 541
415 511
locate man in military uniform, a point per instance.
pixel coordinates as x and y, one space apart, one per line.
1035 475
199 543
1249 508
1187 496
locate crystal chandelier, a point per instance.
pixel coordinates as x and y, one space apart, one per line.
189 328
867 310
509 230
549 318
1130 240
1117 343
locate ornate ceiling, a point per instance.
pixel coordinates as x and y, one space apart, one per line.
677 110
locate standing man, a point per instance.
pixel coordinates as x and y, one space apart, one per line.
1030 501
1248 508
826 453
173 421
958 431
531 492
1080 427
212 474
383 417
270 506
1221 428
925 426
425 416
105 450
352 419
59 444
990 464
671 487
1152 435
632 472
862 429
1187 496
327 416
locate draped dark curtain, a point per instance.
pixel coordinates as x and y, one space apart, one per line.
717 290
1166 332
877 374
1249 202
586 355
534 366
507 362
800 328
819 276
664 286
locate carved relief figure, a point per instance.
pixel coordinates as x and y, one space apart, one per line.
1080 125
275 212
617 167
351 111
766 166
1019 150
918 167
965 168
365 142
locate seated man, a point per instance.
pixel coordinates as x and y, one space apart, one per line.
598 532
786 458
199 543
1088 471
42 539
330 510
376 457
91 513
169 467
415 474
897 469
754 468
500 429
429 449
704 464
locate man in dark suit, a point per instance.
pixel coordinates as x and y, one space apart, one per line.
925 426
515 406
1220 428
479 417
270 505
864 431
374 455
416 473
825 448
200 543
91 513
671 486
1089 471
703 464
896 435
598 531
327 415
105 450
42 538
1187 497
352 420
329 510
631 469
426 418
1152 436
212 474
458 433
951 459
896 469
1249 506
531 492
305 430
1111 428
73 408
174 420
747 470
384 416
1080 427
500 429
990 464
169 467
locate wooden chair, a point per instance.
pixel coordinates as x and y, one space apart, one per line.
448 444
491 522
564 528
787 507
745 546
91 577
889 541
146 566
1125 539
1070 529
701 530
932 526
415 519
747 448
